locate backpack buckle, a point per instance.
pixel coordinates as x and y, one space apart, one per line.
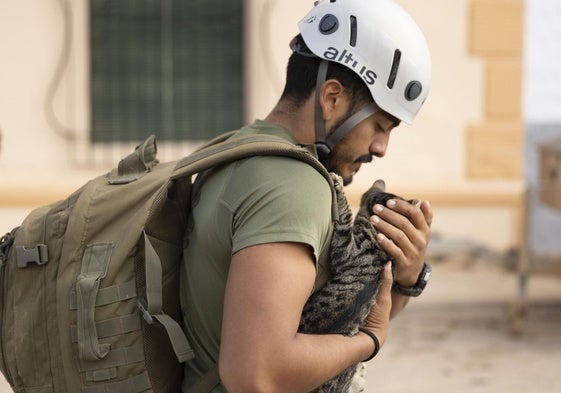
145 313
38 254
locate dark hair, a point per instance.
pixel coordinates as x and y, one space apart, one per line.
301 76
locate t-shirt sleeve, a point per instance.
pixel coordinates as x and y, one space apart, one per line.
278 199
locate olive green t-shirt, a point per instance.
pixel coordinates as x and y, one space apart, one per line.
253 201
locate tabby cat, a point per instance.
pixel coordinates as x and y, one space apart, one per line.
355 267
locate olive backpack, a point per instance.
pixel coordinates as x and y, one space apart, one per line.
89 285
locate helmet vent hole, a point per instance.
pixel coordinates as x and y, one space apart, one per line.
395 67
352 41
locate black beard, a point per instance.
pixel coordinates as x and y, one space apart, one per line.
331 164
333 160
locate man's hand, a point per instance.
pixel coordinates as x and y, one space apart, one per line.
404 234
378 320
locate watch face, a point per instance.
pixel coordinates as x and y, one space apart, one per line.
425 275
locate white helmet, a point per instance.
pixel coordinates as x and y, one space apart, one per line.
380 42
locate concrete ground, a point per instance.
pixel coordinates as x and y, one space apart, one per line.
457 336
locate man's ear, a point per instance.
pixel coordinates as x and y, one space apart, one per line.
333 99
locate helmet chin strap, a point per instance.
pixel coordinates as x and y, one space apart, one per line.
325 144
322 147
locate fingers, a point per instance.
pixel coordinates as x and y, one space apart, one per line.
414 214
404 233
384 297
404 225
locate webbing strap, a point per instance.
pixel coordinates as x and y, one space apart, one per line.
138 383
153 270
108 295
350 123
112 327
321 134
153 308
237 148
137 164
116 357
101 375
207 382
181 346
94 267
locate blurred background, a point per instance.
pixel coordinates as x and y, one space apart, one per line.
82 82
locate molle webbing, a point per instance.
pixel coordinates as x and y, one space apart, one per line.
136 384
108 295
112 327
115 358
94 267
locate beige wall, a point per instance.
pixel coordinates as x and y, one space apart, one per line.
494 144
430 159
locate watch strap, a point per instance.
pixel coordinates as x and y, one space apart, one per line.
419 286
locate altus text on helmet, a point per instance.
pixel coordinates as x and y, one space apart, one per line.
346 57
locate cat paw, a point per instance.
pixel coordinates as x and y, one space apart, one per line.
337 181
345 212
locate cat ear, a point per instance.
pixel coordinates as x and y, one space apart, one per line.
379 185
415 202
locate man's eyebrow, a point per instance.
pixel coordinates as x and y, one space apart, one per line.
395 121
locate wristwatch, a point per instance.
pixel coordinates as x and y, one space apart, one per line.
416 289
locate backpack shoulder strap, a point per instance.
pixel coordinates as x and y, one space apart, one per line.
230 148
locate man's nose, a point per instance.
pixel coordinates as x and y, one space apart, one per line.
378 148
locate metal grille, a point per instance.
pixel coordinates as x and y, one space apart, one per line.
168 67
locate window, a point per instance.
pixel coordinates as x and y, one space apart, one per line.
167 67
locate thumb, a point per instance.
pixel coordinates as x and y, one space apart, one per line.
378 320
427 211
384 297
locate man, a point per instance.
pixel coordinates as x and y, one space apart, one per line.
261 232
